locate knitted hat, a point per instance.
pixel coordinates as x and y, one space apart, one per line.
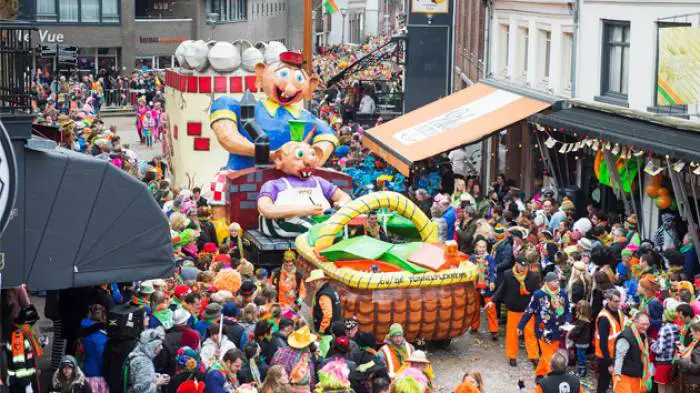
210 248
567 205
191 386
585 244
188 358
222 297
626 252
246 268
631 221
182 290
212 311
189 338
500 232
580 266
230 309
181 316
223 258
395 330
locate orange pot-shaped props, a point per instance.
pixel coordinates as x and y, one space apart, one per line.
663 201
663 191
653 190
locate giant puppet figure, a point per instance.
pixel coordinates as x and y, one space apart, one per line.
285 83
287 204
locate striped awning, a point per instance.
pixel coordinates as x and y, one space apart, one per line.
462 118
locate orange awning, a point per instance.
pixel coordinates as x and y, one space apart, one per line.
462 118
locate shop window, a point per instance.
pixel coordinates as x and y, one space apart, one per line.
74 11
229 10
614 76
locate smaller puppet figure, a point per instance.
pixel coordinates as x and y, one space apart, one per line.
287 204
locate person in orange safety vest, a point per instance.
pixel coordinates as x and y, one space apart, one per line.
608 326
396 351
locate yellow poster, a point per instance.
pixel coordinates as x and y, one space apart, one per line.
679 66
431 6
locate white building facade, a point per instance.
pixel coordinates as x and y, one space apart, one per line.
531 44
618 47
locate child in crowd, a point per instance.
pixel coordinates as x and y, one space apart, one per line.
581 334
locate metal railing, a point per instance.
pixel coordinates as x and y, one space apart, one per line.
15 62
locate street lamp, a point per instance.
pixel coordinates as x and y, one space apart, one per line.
344 13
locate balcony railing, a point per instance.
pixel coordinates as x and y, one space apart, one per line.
15 63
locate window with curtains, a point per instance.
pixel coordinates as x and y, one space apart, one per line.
229 10
614 76
74 11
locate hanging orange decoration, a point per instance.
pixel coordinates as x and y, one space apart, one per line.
653 190
663 191
663 201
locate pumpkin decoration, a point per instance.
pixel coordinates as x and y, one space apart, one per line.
663 191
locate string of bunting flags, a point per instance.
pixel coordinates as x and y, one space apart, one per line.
625 152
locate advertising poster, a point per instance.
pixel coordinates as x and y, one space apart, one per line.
678 81
430 6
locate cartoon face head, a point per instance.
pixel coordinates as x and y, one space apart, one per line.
297 159
285 83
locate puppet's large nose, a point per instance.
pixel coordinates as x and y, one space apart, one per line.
290 90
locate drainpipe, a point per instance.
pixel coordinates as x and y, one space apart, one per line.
487 39
574 49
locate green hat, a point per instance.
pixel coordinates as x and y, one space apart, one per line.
146 288
395 330
626 252
500 232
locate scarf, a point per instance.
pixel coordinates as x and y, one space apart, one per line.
400 351
686 249
24 331
481 265
644 302
521 280
555 299
27 331
164 315
226 372
646 364
255 372
137 301
685 354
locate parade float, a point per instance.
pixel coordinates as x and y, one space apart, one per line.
274 186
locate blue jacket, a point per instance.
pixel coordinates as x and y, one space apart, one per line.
201 327
450 216
547 323
94 345
504 259
214 382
